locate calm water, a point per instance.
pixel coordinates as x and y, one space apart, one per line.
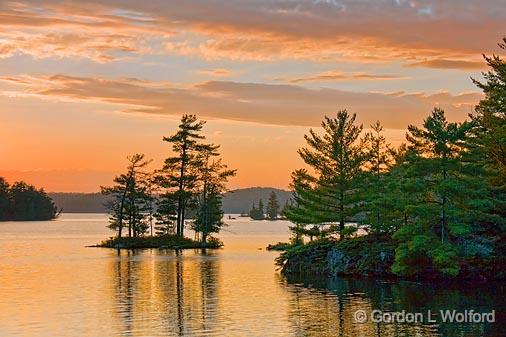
51 285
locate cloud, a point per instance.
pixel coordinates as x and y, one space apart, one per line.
82 32
358 31
217 72
252 102
449 64
338 76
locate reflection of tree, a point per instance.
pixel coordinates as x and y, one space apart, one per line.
124 289
325 307
208 286
165 292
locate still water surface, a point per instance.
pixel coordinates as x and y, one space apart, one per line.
51 285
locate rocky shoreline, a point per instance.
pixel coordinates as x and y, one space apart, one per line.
372 256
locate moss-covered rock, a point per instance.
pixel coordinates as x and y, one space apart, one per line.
361 256
373 255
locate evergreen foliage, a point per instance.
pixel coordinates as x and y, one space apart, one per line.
440 198
212 176
192 181
257 212
131 205
179 176
330 196
272 206
23 202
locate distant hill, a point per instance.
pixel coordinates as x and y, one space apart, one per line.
79 202
235 201
240 200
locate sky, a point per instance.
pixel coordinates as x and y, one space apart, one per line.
83 84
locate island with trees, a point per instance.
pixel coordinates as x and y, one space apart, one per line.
153 209
272 211
23 202
434 207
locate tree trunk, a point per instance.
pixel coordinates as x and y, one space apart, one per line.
180 201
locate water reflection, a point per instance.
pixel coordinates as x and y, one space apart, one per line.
326 307
178 294
51 285
172 293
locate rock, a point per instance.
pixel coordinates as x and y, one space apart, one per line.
337 261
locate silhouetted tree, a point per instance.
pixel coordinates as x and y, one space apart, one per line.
23 202
212 176
131 199
272 206
179 176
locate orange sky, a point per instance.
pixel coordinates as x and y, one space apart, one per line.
83 85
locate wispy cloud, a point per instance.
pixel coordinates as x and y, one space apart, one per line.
339 76
252 102
217 72
449 64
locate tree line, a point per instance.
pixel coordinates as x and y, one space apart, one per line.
272 211
23 202
441 196
190 183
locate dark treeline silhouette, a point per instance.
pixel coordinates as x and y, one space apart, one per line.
23 202
437 203
271 211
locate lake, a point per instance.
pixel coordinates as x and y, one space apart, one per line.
52 285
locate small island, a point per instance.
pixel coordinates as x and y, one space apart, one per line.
155 208
160 241
23 202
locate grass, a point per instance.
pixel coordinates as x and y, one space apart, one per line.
162 242
280 246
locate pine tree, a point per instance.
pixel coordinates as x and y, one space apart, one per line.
302 211
179 176
213 176
272 206
286 206
491 113
261 211
5 205
379 160
257 213
253 211
487 154
441 187
26 203
130 198
337 157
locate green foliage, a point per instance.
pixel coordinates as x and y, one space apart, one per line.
162 241
193 180
131 205
374 186
440 200
257 212
280 246
491 113
23 202
272 206
365 256
179 178
330 196
437 181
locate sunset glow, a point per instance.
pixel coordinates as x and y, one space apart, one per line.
84 84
